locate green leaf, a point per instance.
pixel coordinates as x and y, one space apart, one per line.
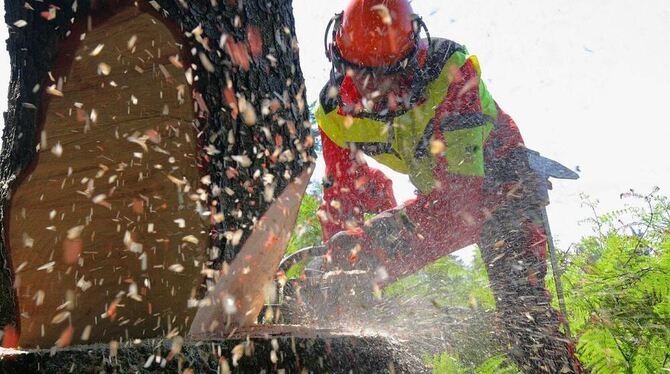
297 269
499 364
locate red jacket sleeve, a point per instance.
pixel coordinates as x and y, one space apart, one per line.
352 188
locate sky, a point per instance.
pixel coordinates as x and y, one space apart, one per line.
584 80
4 65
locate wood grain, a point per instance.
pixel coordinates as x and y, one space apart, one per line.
128 179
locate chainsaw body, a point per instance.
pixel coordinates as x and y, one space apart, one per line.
320 294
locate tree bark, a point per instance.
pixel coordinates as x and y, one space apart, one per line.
290 349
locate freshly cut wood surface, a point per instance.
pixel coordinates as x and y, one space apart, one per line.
108 230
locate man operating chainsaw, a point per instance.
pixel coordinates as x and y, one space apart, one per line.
419 106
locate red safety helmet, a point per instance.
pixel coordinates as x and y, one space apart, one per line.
377 35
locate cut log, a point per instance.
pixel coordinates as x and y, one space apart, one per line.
104 229
278 349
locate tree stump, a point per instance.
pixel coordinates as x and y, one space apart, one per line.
286 349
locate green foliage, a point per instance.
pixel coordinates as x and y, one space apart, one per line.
499 364
308 230
445 364
296 270
448 282
617 290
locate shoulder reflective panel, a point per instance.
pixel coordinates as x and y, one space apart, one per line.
346 129
410 127
343 130
488 105
466 134
328 123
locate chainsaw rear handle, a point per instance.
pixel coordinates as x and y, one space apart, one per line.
297 256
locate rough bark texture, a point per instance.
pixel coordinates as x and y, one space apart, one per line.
294 352
32 49
249 95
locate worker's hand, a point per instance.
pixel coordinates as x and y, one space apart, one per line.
390 231
382 237
345 247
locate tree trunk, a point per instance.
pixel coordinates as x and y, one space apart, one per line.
246 137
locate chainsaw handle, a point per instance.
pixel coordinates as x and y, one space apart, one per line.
293 258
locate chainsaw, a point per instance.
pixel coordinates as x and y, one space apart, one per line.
243 292
319 293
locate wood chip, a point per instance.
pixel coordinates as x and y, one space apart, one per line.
174 60
383 13
48 266
178 182
96 51
243 160
51 90
437 147
65 338
132 41
60 317
206 63
104 69
28 241
177 268
191 239
39 297
86 333
237 352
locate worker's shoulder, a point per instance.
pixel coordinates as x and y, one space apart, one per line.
439 52
442 48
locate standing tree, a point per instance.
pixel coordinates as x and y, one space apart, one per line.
142 143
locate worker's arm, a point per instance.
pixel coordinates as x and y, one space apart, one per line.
351 189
